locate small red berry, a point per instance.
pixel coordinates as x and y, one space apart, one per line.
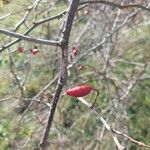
20 50
79 91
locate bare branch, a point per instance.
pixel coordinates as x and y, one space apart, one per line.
98 46
32 28
63 71
27 38
133 82
26 14
88 51
107 126
10 14
12 69
46 86
37 24
6 99
131 139
116 4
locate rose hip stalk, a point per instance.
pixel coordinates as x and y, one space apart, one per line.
81 91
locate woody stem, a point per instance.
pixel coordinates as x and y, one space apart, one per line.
95 97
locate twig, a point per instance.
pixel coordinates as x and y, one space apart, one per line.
111 130
10 14
6 99
35 24
105 38
86 53
120 147
133 83
27 38
130 138
46 87
26 15
116 4
31 29
12 69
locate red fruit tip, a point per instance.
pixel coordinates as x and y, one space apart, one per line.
79 91
34 51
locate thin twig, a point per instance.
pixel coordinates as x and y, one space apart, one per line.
27 38
105 38
130 138
133 83
26 15
12 69
116 4
6 99
36 24
107 126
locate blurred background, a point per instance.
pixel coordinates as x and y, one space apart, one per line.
112 54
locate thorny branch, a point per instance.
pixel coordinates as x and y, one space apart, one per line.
63 70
